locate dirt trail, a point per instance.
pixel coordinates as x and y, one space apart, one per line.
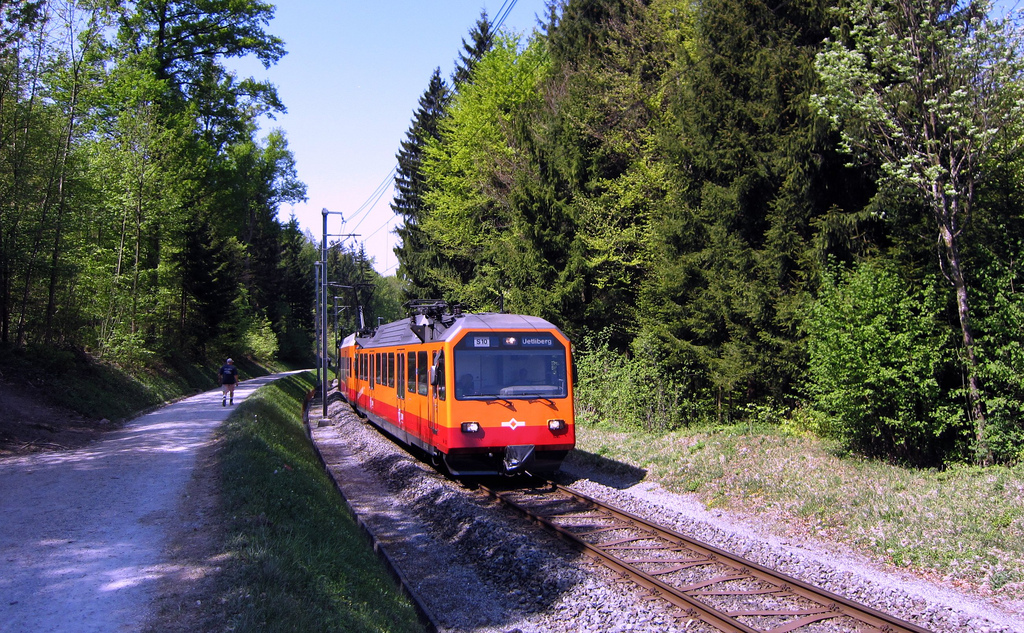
83 533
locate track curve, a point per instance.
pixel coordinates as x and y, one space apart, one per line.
704 582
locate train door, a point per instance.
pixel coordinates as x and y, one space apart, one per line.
372 377
423 402
437 393
400 388
412 402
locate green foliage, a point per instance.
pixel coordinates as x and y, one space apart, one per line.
750 170
258 339
675 174
626 392
138 212
416 260
470 215
1000 312
931 92
876 357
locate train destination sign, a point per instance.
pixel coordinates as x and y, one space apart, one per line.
509 340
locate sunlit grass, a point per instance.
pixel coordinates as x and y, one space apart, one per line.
303 564
963 523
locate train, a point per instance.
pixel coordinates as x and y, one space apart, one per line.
479 393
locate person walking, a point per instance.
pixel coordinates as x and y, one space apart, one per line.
228 378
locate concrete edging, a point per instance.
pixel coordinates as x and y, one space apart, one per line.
426 617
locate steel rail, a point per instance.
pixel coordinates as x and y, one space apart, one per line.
692 553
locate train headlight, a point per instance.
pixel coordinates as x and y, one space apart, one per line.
556 425
470 427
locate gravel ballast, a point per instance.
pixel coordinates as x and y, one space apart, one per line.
475 566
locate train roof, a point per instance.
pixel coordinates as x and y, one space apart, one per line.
423 329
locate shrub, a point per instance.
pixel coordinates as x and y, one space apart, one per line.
876 351
259 340
625 390
1000 351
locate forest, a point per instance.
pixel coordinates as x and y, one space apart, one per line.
805 214
138 200
800 213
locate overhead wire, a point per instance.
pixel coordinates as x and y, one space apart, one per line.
381 227
371 202
500 18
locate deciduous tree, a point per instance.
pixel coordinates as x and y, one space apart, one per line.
927 89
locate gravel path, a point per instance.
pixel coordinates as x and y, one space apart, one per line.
82 533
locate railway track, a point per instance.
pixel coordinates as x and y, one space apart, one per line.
704 583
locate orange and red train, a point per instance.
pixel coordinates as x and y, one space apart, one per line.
482 394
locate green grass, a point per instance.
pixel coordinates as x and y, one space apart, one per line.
292 558
301 563
963 523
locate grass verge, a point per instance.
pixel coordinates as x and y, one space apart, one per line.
964 524
301 563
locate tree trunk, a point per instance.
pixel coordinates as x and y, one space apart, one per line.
948 237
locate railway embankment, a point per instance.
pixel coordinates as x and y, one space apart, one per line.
524 580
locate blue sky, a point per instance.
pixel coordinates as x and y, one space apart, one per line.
351 81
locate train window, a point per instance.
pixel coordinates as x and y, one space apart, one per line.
391 369
421 373
411 381
439 382
510 365
401 375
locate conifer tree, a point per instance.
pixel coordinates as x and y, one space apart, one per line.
408 200
482 41
409 184
753 170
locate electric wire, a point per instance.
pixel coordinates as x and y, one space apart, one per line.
381 227
370 208
500 19
371 202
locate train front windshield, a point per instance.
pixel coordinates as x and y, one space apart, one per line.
509 366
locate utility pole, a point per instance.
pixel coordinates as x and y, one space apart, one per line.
322 284
317 265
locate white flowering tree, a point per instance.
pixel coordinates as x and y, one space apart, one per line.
930 90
